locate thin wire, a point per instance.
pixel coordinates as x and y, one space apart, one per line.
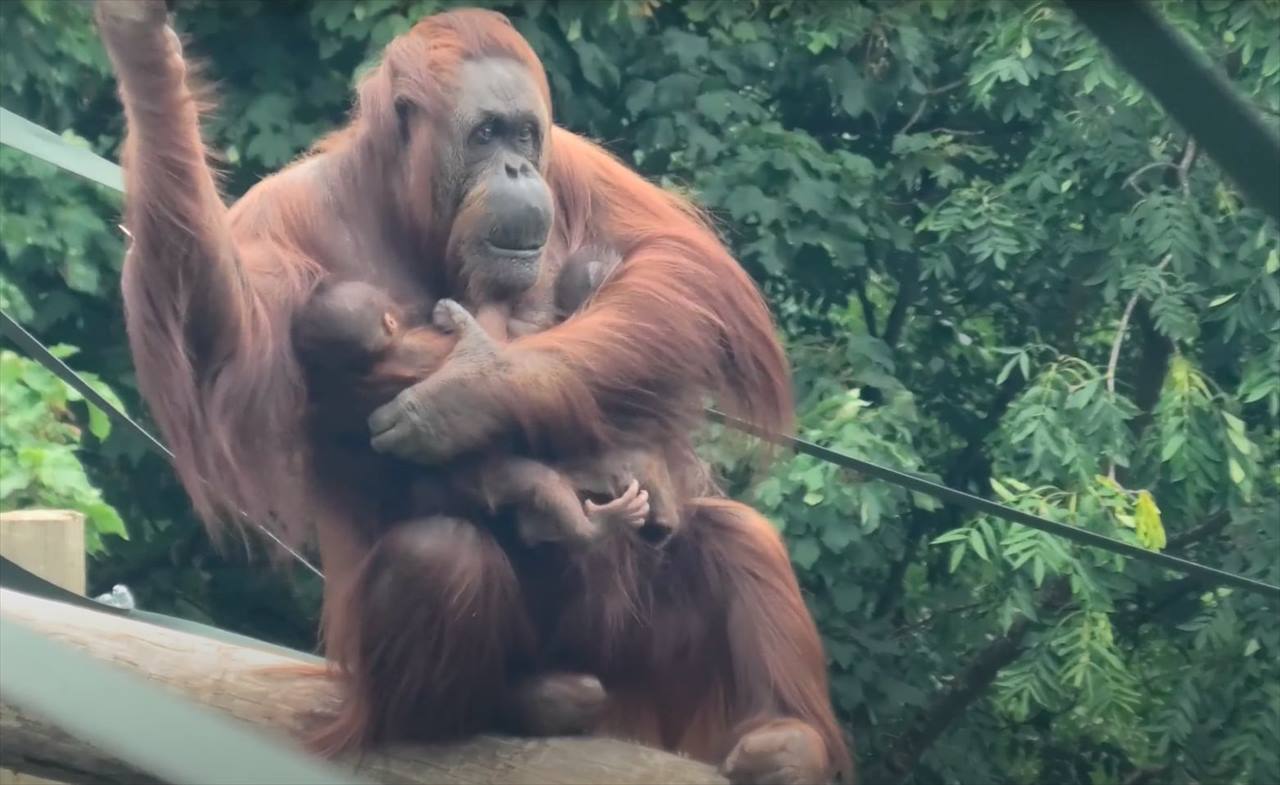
29 343
939 491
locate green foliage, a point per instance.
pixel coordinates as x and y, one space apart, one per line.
40 436
957 209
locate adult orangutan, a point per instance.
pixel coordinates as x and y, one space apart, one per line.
451 172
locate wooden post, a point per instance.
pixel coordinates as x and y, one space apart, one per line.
49 543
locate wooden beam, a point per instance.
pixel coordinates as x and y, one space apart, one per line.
257 687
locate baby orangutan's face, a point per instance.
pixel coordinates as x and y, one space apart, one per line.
346 322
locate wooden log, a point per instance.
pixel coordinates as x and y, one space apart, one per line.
255 686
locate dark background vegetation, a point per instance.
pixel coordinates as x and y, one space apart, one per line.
952 206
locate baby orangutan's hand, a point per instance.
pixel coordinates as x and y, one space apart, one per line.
629 511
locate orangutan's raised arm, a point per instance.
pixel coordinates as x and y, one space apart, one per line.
181 254
195 326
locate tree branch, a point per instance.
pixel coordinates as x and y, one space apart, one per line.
1161 596
915 116
908 288
948 87
1114 360
960 472
1214 524
1132 180
1144 776
868 310
1183 170
892 587
927 726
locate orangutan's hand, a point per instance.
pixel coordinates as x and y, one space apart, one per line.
148 13
450 412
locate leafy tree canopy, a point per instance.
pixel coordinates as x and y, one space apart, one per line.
994 259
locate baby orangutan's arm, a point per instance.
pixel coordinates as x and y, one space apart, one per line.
547 507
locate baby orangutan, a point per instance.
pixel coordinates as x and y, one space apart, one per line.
352 329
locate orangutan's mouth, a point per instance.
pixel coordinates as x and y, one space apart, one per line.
532 252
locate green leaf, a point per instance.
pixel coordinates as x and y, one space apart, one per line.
1234 424
13 479
1237 471
1007 369
596 67
1172 446
640 96
978 544
952 536
106 520
99 423
804 553
1080 397
837 535
849 88
1004 493
1271 63
1240 441
847 598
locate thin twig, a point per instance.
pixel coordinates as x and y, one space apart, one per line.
1143 776
915 117
1183 169
1214 524
924 101
1114 360
1132 180
957 132
868 310
946 88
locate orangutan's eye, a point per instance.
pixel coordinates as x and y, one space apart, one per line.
404 112
484 132
526 134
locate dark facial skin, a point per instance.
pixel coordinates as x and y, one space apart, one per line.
344 325
496 136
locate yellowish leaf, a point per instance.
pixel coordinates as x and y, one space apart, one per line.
1147 523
